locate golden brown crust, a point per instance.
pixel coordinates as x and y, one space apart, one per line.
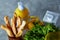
7 30
7 22
16 27
15 15
19 22
22 26
19 34
13 26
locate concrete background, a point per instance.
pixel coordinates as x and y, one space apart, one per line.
36 8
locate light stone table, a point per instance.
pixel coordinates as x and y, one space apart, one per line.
35 7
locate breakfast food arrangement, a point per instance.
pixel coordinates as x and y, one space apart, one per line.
22 26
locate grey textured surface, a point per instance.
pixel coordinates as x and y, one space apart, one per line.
36 7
